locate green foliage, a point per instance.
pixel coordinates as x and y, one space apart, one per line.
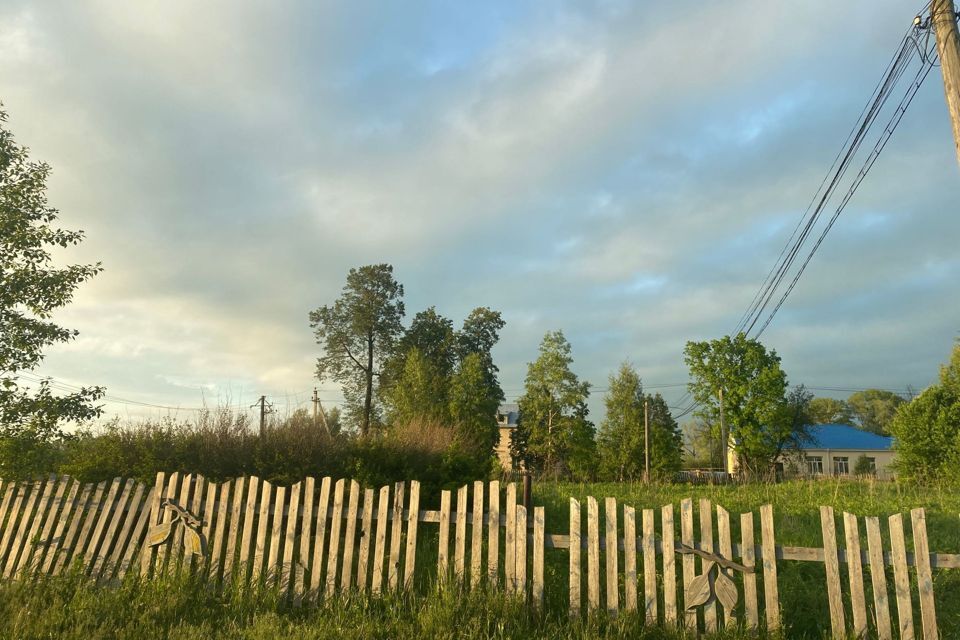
31 289
473 406
864 466
762 420
874 409
620 441
926 431
553 435
358 333
830 411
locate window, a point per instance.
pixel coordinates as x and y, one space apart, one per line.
841 466
815 465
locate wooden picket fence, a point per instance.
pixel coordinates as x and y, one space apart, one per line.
318 538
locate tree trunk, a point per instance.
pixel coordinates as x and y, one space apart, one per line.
368 401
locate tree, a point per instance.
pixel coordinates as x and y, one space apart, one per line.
830 411
358 332
419 392
926 431
761 420
620 442
552 422
864 466
874 409
31 289
473 407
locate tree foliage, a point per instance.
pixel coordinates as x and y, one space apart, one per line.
874 409
761 419
31 289
553 435
358 333
621 437
831 411
926 430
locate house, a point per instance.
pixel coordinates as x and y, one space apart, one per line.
507 415
833 450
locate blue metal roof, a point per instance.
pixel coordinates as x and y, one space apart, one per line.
843 436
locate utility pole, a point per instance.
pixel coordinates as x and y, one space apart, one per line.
944 18
264 410
723 435
316 401
646 440
318 408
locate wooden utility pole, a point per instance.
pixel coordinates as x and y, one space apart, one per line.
944 18
264 410
316 401
318 408
646 440
723 436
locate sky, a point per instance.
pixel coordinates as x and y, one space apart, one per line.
627 172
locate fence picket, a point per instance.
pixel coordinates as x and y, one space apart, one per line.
612 564
476 534
921 554
273 570
832 564
217 539
316 567
669 564
393 568
350 536
901 577
56 543
249 515
649 567
493 534
574 536
382 523
858 600
725 543
302 566
20 538
538 550
748 555
688 561
706 543
520 566
196 508
460 537
14 493
336 522
135 541
54 506
240 487
593 554
878 578
771 591
412 520
65 553
443 561
129 518
186 491
510 551
630 558
263 525
80 549
99 556
366 531
207 525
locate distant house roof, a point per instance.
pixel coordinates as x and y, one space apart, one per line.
511 411
843 436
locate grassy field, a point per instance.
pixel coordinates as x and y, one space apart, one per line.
183 608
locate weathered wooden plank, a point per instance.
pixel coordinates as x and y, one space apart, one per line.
65 554
306 541
669 565
688 561
21 493
706 543
493 532
135 541
56 542
921 547
393 566
538 553
11 494
878 578
593 554
7 492
832 564
366 532
612 559
247 540
20 539
53 515
130 514
350 536
901 577
476 549
98 557
93 510
510 550
195 506
241 486
858 600
771 590
443 559
177 557
263 529
219 537
29 542
630 558
383 504
274 571
208 524
288 571
575 598
148 556
725 542
749 559
336 522
316 567
649 566
412 518
520 562
460 538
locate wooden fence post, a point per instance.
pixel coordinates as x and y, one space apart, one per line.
649 567
383 524
706 543
748 555
688 560
460 538
901 577
832 563
520 566
575 599
476 533
771 591
413 518
878 578
493 528
538 553
630 558
858 599
443 562
921 556
593 554
510 555
669 564
612 568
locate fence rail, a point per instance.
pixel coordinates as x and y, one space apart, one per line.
700 567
